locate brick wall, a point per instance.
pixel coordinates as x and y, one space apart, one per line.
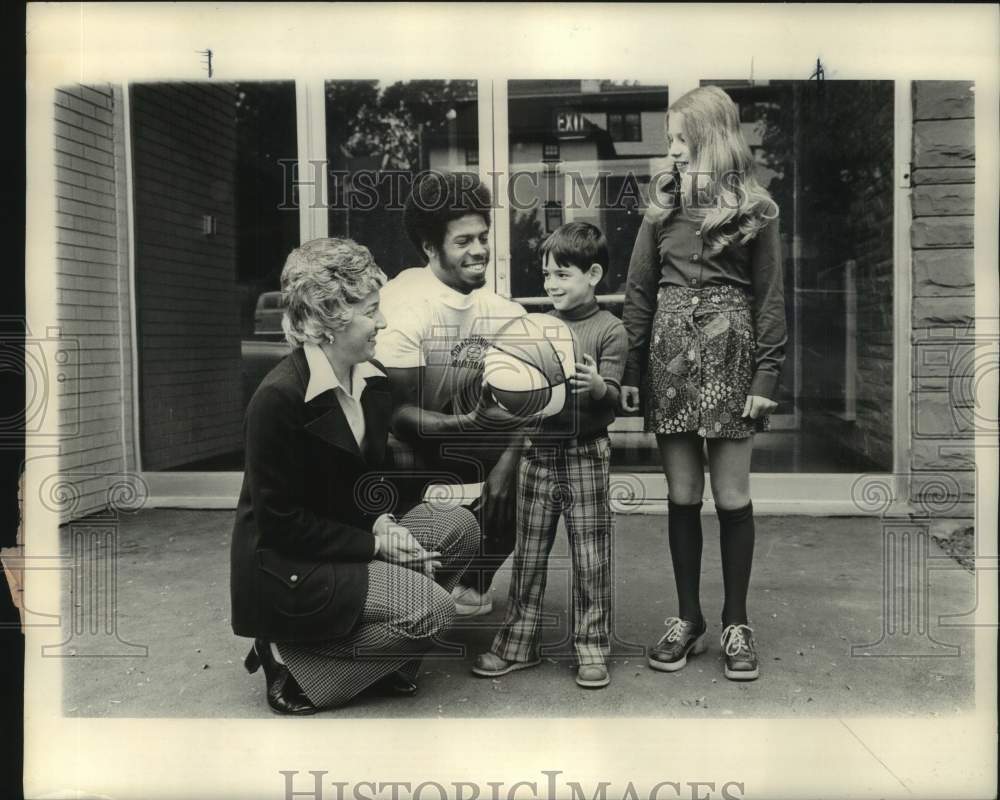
942 458
92 294
184 156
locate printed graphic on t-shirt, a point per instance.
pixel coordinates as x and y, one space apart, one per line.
454 370
444 333
469 353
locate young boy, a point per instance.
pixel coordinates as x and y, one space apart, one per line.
564 471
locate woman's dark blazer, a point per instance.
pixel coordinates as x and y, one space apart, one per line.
302 537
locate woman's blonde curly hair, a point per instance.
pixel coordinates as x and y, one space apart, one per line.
321 281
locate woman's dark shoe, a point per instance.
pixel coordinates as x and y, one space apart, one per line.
284 695
741 653
395 684
683 638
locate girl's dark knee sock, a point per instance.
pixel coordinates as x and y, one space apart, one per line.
736 540
684 533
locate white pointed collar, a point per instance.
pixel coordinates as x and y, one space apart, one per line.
322 378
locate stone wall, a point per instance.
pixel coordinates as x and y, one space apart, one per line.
942 459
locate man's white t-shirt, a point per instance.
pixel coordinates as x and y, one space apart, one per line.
433 326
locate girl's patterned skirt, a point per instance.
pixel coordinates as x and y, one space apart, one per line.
701 363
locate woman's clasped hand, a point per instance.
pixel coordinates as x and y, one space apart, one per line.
398 546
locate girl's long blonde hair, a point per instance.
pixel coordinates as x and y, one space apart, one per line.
721 161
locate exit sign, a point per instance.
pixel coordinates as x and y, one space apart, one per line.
569 123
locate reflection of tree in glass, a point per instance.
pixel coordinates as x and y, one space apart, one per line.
832 150
526 236
392 124
838 137
774 158
264 114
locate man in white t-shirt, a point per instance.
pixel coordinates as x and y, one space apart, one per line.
440 321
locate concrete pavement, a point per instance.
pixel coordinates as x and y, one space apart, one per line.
817 589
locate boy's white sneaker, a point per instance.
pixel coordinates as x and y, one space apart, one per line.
490 665
470 603
592 676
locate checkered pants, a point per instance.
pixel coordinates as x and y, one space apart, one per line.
403 613
573 482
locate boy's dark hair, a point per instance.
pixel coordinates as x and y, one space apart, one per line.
436 199
577 244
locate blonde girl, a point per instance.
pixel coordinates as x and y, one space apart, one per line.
704 311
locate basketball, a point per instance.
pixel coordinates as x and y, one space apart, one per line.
528 365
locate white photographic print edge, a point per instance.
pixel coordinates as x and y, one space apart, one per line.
521 755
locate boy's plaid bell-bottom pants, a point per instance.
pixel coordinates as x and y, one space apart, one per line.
572 482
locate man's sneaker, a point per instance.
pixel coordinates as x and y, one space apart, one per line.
741 653
683 638
592 676
490 665
470 603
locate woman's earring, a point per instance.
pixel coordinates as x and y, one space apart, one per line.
329 338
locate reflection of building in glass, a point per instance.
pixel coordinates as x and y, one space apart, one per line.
580 150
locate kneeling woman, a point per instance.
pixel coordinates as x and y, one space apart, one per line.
338 598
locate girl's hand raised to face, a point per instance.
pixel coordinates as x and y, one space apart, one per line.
757 406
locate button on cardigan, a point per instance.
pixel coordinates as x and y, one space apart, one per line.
670 251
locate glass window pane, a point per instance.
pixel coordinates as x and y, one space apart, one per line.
212 168
380 134
598 178
553 216
615 127
633 128
825 152
571 160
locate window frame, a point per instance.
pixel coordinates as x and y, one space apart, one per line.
628 123
819 492
553 214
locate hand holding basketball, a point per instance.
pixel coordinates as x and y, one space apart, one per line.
587 379
529 366
490 415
